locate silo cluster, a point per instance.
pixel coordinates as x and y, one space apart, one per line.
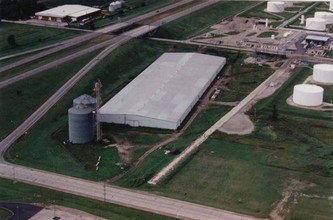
81 120
116 5
323 73
308 95
275 7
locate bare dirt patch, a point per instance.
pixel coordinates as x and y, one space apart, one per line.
290 194
240 124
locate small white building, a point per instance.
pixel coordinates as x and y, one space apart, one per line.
74 12
164 93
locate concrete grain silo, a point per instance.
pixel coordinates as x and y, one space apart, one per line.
316 24
81 124
275 7
328 16
308 95
86 100
323 73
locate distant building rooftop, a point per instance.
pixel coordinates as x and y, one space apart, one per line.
317 38
74 11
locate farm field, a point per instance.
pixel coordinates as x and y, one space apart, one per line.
24 193
29 37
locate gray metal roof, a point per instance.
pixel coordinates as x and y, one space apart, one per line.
317 38
167 87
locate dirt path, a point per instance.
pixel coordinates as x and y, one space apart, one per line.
290 195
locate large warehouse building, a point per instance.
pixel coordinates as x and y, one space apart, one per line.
74 12
164 93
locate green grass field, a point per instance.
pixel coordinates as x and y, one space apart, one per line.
30 37
247 174
5 214
268 34
24 193
200 21
158 159
26 96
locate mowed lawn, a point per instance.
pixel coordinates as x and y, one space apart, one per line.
29 37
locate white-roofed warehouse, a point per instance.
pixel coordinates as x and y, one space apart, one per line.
75 12
164 93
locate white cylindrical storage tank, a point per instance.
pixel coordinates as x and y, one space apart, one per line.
81 124
288 4
308 95
316 24
275 7
331 6
323 73
324 15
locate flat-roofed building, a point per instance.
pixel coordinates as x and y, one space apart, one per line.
165 92
74 12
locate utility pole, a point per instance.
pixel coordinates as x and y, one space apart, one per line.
97 90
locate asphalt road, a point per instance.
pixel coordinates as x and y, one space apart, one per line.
129 198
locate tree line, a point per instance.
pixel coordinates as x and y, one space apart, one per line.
18 9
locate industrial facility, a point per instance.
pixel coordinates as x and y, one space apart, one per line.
308 95
323 73
164 93
73 12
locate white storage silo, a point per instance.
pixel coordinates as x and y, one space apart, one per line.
316 24
331 6
81 124
323 73
308 95
324 15
275 7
